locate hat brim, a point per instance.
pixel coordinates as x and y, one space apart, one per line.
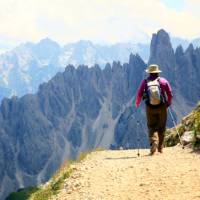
152 72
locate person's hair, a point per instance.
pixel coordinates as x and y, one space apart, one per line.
154 74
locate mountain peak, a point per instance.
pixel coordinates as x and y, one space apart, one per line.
160 44
162 32
162 37
47 41
162 53
84 43
190 48
134 56
179 50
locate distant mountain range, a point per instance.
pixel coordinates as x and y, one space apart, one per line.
84 108
28 65
25 67
176 41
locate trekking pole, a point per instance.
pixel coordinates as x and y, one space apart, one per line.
137 133
170 112
142 127
138 139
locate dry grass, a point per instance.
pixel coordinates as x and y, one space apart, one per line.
56 183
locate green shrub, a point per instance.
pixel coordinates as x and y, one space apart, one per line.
22 194
193 124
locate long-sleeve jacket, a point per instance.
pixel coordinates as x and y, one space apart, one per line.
165 89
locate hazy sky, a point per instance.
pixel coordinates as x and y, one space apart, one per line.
102 21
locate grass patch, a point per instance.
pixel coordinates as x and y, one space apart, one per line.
53 186
171 137
58 179
190 123
22 194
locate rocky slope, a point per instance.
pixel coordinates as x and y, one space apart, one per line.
75 111
84 108
188 130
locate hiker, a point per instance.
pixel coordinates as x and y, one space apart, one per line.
157 93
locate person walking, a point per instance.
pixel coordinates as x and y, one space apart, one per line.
157 93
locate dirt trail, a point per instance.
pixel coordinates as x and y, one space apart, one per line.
115 175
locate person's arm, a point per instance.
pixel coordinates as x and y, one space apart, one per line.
169 93
139 94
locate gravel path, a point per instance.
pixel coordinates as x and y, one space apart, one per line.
121 175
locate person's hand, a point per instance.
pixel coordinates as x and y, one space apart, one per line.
168 104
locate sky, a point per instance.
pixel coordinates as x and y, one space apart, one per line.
101 21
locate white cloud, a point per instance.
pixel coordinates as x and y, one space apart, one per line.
97 20
193 6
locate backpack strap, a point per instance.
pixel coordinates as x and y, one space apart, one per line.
145 93
162 93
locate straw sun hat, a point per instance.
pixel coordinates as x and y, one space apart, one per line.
152 69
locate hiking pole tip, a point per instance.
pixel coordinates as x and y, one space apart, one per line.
138 139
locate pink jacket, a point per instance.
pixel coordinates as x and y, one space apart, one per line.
165 88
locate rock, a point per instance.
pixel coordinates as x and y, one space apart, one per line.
198 137
187 137
162 53
77 184
73 167
69 191
68 184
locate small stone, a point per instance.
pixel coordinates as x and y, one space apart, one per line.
69 191
74 188
77 184
73 167
68 184
143 184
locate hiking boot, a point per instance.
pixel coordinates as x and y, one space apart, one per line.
152 153
160 150
153 148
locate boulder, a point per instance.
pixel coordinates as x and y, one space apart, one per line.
187 137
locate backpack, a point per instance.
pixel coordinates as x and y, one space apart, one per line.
153 92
